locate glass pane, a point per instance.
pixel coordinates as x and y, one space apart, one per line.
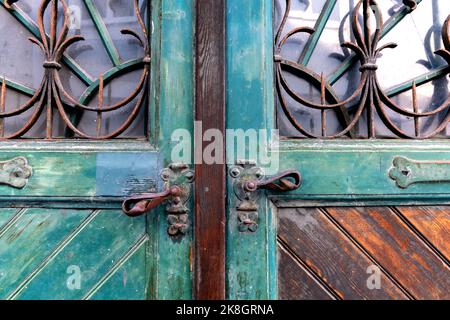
104 60
316 75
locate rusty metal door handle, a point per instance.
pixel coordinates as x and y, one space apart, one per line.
139 205
177 185
284 182
247 180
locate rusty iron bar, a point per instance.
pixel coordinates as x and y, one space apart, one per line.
369 95
51 94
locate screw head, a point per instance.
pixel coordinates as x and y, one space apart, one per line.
175 192
234 172
250 186
176 200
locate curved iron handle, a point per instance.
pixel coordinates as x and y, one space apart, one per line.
247 180
139 205
281 182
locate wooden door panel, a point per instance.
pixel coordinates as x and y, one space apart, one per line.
336 246
433 223
302 284
99 134
330 255
41 250
28 238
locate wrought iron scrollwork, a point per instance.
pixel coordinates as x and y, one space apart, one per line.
369 96
51 95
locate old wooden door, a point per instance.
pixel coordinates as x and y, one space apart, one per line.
87 112
365 122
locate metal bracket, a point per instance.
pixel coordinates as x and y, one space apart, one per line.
247 180
178 179
406 172
15 173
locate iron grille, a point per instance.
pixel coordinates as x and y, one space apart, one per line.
367 104
50 33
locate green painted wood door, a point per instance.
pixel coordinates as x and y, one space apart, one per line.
87 112
367 131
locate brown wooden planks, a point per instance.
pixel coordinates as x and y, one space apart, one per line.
331 255
296 283
209 266
433 223
389 240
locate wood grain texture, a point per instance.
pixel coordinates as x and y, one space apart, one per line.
209 266
250 99
84 174
40 246
433 223
333 257
297 283
397 249
408 244
173 67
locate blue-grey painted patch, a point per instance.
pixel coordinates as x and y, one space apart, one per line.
126 173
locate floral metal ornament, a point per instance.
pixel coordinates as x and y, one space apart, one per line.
369 97
52 97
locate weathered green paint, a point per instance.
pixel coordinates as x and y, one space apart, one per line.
103 32
5 217
358 168
420 80
173 38
27 91
95 246
84 174
55 174
249 106
127 281
30 236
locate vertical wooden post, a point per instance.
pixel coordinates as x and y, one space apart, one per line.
210 190
251 257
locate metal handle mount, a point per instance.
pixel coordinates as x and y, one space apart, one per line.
177 179
247 180
15 172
